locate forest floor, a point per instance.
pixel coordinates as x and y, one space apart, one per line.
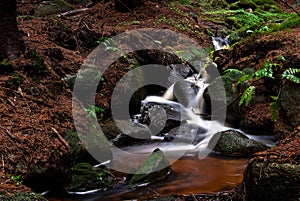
35 101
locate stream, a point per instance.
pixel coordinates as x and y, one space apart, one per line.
190 176
192 173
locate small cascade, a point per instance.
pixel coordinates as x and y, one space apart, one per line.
220 43
186 99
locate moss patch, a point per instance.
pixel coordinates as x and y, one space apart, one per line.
272 182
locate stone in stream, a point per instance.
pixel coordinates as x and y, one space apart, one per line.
132 133
155 168
185 133
214 95
160 117
86 177
234 143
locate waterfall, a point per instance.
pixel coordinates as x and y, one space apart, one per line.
192 88
220 43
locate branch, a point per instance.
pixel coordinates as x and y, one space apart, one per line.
291 7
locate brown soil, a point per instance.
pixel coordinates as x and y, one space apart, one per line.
35 103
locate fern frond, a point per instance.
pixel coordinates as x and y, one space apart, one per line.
265 71
275 107
289 74
247 96
243 79
231 71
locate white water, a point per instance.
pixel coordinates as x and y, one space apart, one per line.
220 43
191 114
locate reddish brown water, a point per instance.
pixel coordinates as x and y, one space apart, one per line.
190 175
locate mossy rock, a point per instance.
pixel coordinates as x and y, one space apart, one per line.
85 177
234 143
212 96
155 168
290 23
6 67
51 7
272 181
28 196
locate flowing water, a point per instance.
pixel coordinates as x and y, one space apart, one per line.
195 171
190 176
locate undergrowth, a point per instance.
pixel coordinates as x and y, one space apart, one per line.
248 76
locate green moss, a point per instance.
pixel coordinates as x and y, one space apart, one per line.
23 197
272 181
233 143
156 167
244 19
290 23
52 7
86 177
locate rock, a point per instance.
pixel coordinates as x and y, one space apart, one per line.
133 129
52 7
234 143
185 92
214 95
290 101
179 72
186 133
272 181
155 168
160 118
85 177
78 152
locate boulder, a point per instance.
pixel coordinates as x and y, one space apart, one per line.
86 177
234 143
186 133
155 168
290 101
215 96
272 181
160 117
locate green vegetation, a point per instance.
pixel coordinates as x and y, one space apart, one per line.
266 71
251 17
23 197
52 7
92 111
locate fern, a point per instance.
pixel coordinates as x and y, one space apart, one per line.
231 71
289 74
265 71
275 107
247 96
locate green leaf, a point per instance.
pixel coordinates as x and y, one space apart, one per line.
275 107
247 96
233 71
289 74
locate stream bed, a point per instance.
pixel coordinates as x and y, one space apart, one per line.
190 175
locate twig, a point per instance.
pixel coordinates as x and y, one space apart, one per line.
61 138
12 103
290 6
73 12
8 132
194 197
3 169
152 190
